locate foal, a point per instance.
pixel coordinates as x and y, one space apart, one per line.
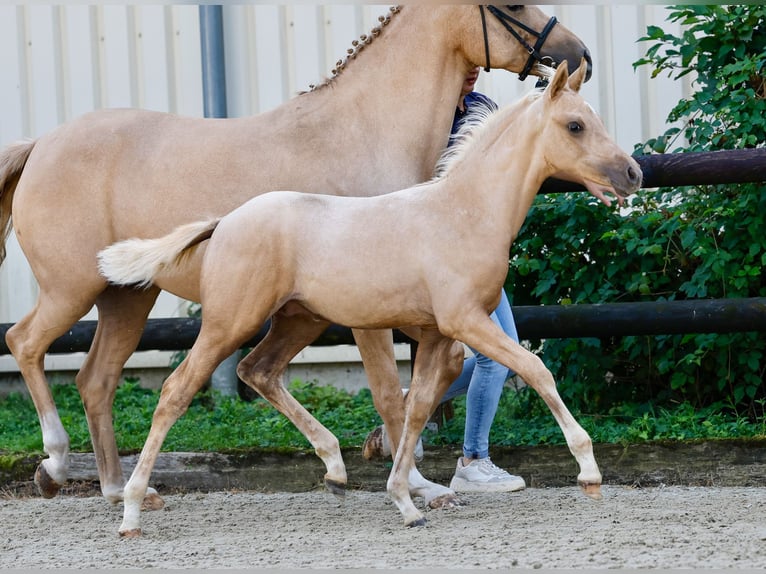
406 253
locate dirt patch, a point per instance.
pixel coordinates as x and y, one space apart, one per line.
658 527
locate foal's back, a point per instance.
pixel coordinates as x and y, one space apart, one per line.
361 262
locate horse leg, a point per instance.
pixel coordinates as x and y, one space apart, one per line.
482 334
262 369
122 315
437 363
28 341
377 351
212 347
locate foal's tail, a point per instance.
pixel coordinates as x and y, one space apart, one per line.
139 261
12 162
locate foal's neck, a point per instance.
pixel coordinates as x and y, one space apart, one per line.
499 176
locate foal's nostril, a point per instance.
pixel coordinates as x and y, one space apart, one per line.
633 176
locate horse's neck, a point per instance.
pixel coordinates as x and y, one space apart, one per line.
391 107
497 180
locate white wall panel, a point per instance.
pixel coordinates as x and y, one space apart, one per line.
12 102
42 41
79 62
152 55
182 36
116 39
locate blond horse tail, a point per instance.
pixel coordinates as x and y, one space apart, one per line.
138 261
12 162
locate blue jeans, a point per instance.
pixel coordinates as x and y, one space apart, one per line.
482 382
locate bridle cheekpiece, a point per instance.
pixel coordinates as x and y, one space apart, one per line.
509 22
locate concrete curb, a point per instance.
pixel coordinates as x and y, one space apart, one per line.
704 463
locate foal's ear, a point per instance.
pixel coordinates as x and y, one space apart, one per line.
559 81
578 77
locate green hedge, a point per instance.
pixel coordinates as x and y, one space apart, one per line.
685 243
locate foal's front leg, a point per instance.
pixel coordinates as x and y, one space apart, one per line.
483 335
438 362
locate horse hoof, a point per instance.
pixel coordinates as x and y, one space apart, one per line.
445 501
592 490
419 522
337 488
152 501
132 533
47 487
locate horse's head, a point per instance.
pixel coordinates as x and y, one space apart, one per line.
518 38
576 145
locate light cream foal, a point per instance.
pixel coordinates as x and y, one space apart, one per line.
433 256
379 125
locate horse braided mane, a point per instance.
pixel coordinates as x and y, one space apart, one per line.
356 47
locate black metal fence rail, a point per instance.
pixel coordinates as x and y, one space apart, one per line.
532 322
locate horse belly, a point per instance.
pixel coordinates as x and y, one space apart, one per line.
370 296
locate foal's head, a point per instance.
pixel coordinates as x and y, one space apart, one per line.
575 144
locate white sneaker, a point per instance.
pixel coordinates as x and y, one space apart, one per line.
481 475
376 445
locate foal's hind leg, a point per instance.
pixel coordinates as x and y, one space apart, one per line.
122 315
262 370
212 346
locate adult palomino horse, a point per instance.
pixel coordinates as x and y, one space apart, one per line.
112 175
289 250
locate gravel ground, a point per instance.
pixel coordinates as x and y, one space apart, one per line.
659 527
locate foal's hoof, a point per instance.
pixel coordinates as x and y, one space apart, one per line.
152 501
419 522
45 484
445 501
337 488
591 490
132 533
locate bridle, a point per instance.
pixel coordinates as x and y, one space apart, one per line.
533 51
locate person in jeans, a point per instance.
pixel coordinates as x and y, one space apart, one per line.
482 379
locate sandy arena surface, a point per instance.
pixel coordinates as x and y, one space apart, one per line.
660 527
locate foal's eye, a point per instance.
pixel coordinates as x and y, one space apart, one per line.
575 127
515 7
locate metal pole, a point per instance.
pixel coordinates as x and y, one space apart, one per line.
224 378
213 61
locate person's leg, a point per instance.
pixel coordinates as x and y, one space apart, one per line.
485 388
475 472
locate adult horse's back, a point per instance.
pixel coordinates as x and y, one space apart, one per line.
377 126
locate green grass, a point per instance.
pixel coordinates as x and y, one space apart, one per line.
216 423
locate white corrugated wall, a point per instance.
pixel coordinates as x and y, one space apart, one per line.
58 62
